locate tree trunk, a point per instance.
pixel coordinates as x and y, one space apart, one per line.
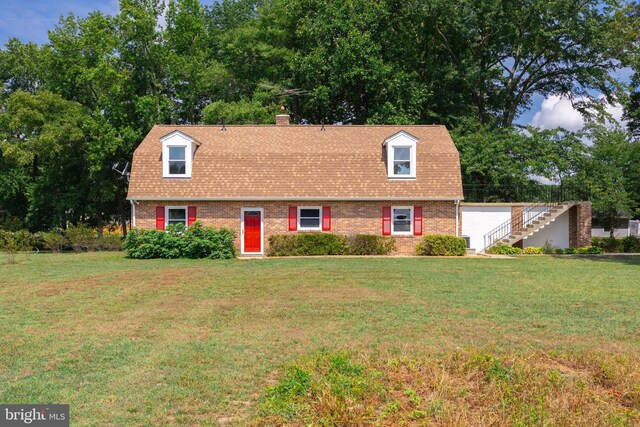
122 212
99 223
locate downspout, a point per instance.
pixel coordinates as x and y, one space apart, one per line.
457 216
133 213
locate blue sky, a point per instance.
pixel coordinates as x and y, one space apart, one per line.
29 20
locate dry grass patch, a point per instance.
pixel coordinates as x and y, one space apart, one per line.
461 388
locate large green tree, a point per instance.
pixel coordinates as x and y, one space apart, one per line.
606 173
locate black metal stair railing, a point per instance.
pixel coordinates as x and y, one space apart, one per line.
530 214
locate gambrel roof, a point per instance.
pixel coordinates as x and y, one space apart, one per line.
269 162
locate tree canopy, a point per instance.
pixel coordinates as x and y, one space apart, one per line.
73 109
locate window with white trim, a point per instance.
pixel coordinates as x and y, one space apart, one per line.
401 160
309 217
402 220
176 215
401 156
177 160
178 150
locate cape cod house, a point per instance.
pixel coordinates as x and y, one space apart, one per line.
402 181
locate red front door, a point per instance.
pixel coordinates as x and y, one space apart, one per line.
252 232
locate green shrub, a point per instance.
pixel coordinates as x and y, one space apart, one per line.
532 250
370 244
194 242
608 244
590 250
17 241
110 242
304 244
54 241
629 244
558 251
570 251
442 245
80 237
547 247
502 249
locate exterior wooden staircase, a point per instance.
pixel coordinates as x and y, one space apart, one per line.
534 218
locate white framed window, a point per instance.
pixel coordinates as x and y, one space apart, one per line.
309 218
177 160
176 215
177 155
401 156
401 161
402 220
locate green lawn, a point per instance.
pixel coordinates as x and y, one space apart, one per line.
198 341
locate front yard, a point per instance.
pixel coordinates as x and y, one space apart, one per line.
128 342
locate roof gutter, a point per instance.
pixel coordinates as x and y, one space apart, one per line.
257 199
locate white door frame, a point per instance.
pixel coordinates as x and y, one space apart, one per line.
242 211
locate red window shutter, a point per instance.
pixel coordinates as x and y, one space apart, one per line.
159 217
326 218
293 218
386 220
417 220
191 215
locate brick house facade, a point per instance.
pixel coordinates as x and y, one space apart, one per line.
262 180
438 217
402 181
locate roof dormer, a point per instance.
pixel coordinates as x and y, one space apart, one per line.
401 155
178 150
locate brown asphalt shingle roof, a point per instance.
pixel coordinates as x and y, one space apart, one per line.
286 162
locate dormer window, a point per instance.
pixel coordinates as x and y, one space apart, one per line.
401 156
177 155
178 160
402 160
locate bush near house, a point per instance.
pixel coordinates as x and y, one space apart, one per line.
629 244
502 249
532 250
369 244
306 244
442 245
196 241
590 250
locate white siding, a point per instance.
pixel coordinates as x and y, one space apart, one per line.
617 232
479 220
556 232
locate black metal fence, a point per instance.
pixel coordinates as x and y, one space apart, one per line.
534 193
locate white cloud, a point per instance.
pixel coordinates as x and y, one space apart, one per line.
557 111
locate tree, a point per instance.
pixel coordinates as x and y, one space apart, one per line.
501 53
560 153
43 134
605 173
498 161
21 66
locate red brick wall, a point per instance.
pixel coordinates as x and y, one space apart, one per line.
580 225
346 217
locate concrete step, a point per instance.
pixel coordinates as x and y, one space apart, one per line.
537 224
